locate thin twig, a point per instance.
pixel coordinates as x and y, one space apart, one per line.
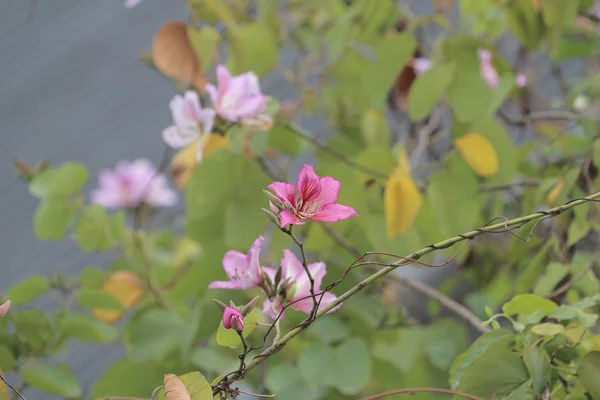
505 226
445 301
11 387
308 274
422 390
508 186
570 283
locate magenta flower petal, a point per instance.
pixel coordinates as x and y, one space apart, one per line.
286 217
234 261
330 189
309 184
306 305
233 319
4 308
285 191
236 97
334 212
224 285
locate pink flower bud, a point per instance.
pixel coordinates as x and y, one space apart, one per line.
521 80
4 308
233 319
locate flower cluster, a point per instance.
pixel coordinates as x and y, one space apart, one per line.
236 99
312 198
288 285
132 184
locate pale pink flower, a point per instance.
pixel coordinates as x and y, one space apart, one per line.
313 198
294 288
420 65
190 121
521 80
488 71
236 97
244 270
131 184
233 319
132 3
4 308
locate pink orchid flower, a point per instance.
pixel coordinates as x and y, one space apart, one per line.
233 319
488 71
4 308
132 3
190 121
244 270
236 97
420 65
295 286
521 80
313 198
131 184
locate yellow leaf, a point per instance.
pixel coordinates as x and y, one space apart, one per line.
184 161
402 202
555 191
124 286
175 388
479 153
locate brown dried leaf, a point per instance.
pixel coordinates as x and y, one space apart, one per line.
173 55
175 388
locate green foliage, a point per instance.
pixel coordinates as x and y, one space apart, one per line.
353 69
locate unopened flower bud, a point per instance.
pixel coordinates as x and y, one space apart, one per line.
521 80
272 217
275 201
248 307
260 123
4 308
221 305
581 103
233 319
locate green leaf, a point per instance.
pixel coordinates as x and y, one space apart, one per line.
28 289
376 158
526 304
374 128
243 225
205 42
538 365
353 369
92 277
97 298
280 138
96 230
253 47
53 379
285 380
230 338
8 361
488 342
408 341
578 229
213 359
317 365
548 329
338 36
469 95
85 327
445 340
562 313
588 372
259 141
127 378
39 185
509 372
329 330
392 53
52 218
505 86
428 89
153 335
68 180
520 393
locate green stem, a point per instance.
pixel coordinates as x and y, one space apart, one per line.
279 344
